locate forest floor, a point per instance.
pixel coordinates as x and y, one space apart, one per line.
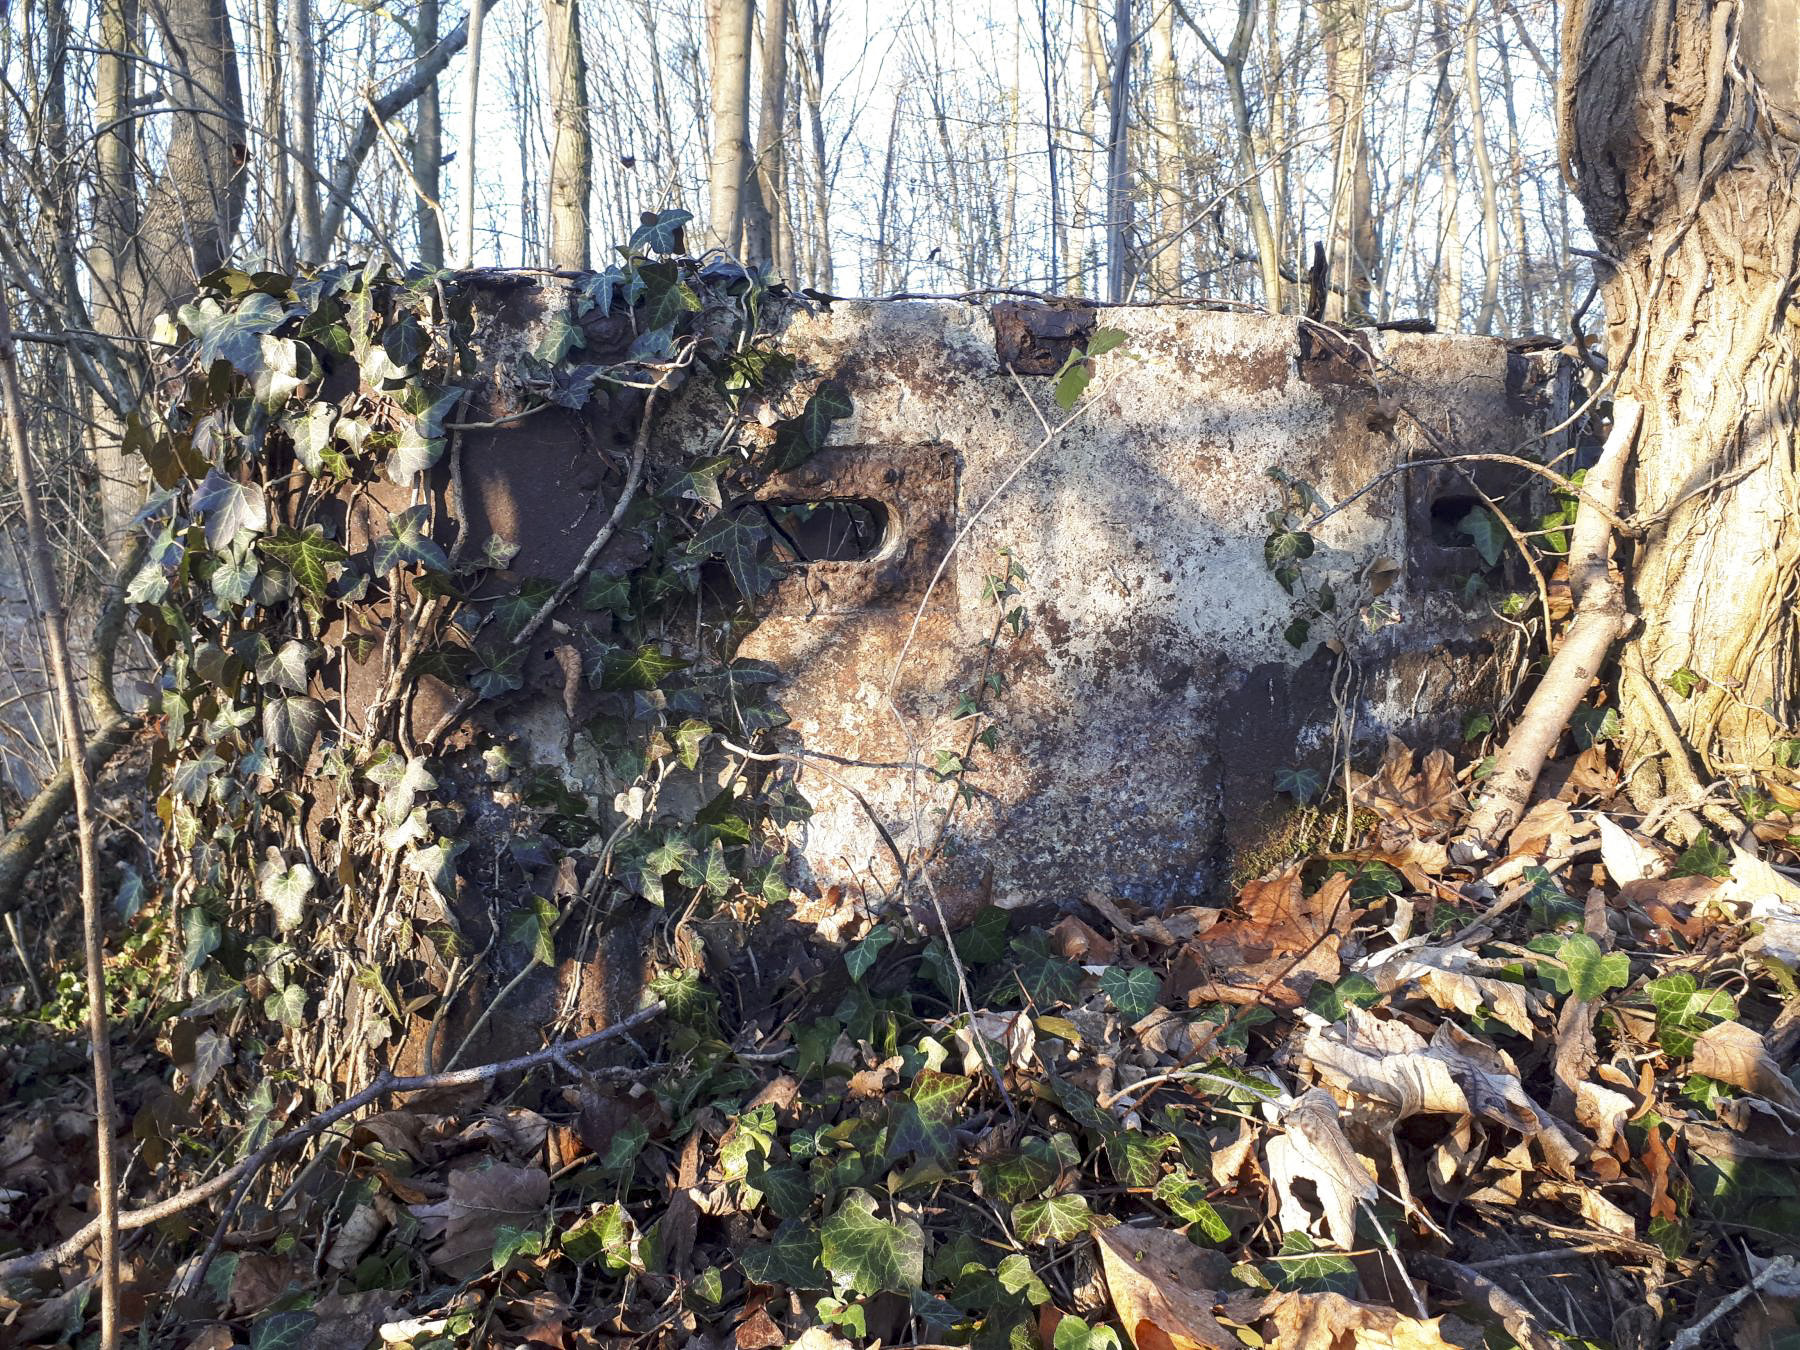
1373 1100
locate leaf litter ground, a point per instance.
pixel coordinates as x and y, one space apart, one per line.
1373 1101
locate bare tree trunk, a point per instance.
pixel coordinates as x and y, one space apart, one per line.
1449 242
571 146
764 192
1515 188
471 108
1118 154
730 91
280 223
1492 257
1262 229
812 78
1683 134
1355 249
427 142
303 80
1171 224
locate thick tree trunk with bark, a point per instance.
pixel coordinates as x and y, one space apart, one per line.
1681 128
1355 247
765 192
427 142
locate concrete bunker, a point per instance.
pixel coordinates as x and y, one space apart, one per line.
1144 708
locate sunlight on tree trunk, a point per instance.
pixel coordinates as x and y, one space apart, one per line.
1682 131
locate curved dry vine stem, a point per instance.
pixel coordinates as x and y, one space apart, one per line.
47 600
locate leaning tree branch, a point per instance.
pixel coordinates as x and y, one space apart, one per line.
1600 620
47 601
383 109
113 728
240 1175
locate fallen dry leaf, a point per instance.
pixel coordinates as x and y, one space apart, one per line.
1330 1321
1455 980
1389 1066
1161 1289
1733 1053
481 1200
1314 1149
1627 858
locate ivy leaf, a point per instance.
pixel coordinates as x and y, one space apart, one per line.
793 1258
1589 972
1058 1218
401 780
286 1006
413 454
1705 857
233 577
644 668
1301 784
1025 1175
307 555
285 668
666 301
708 870
231 509
606 1236
1333 1001
736 538
860 957
534 927
786 1189
1186 1199
313 436
922 1123
1482 527
291 725
200 937
661 234
513 612
193 776
291 1329
1016 1276
285 889
511 1241
612 594
1301 1266
829 403
1047 979
1684 1010
870 1254
1133 992
561 336
1136 1157
407 542
233 335
1594 726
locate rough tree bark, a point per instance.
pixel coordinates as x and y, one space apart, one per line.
1680 127
427 141
1118 154
572 146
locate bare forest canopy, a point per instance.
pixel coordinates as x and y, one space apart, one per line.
434 958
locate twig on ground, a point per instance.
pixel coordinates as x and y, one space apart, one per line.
1777 1270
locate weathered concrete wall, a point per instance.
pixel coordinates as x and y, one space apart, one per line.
1152 695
